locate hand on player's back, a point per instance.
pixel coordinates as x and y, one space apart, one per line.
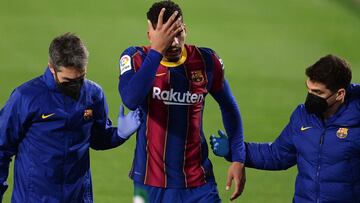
220 145
128 124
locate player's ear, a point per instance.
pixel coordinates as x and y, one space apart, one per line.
341 94
148 36
51 67
185 29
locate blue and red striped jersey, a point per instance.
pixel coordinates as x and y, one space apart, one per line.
171 150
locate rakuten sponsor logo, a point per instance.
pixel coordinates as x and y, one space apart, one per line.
176 98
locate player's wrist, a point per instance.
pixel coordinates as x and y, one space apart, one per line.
157 49
155 55
238 163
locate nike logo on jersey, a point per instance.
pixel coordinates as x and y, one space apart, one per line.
160 74
304 128
176 98
47 116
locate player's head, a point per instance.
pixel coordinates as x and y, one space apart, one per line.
173 53
328 79
68 58
155 9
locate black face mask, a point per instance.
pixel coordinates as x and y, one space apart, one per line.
71 88
315 104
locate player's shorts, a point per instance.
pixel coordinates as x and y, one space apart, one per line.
207 193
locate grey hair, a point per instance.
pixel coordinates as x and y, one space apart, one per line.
68 50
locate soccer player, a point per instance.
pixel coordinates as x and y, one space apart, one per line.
50 122
322 138
169 81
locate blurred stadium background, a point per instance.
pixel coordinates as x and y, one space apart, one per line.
266 45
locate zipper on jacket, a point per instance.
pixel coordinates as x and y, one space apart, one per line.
318 169
68 109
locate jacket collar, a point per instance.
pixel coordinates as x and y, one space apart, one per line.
49 80
348 112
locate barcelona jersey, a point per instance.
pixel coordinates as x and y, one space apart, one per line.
171 150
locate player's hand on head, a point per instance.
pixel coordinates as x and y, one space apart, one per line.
236 174
162 36
220 145
128 124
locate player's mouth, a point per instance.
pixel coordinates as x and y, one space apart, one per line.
173 53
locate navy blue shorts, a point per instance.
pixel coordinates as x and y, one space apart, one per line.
207 193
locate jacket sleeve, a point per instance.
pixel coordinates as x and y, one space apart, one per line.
278 155
103 135
13 118
135 86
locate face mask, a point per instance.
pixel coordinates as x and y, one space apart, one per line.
71 88
315 104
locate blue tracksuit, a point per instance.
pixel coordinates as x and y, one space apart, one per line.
326 152
50 135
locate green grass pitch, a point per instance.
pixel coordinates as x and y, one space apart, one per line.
266 46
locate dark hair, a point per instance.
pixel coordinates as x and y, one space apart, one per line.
155 9
68 50
332 71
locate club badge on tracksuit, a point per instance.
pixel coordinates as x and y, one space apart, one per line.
342 133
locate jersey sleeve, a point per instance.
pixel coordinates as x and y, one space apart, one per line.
221 92
231 117
218 73
232 122
137 73
126 61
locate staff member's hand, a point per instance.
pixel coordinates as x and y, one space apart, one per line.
220 145
236 172
128 124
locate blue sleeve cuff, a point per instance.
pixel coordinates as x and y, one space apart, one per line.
239 154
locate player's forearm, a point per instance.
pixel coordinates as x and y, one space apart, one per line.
233 126
232 123
134 91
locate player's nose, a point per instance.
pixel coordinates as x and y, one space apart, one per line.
175 41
